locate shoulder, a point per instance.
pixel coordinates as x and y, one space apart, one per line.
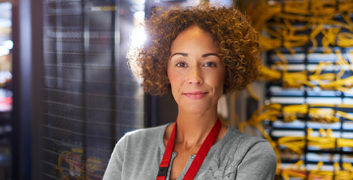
137 143
251 154
244 140
145 135
146 131
136 154
146 139
245 145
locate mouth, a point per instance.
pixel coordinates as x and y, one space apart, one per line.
195 95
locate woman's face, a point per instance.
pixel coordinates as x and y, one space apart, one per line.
195 71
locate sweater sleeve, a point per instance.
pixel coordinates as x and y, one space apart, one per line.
258 163
115 165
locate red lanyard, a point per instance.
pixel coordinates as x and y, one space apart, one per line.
200 156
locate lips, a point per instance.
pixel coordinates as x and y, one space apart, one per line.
195 95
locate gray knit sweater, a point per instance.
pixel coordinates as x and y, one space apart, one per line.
238 156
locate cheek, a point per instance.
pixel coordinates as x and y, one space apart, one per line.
171 77
218 80
174 78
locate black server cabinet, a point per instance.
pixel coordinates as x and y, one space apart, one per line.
83 97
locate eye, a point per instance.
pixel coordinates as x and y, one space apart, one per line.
181 64
210 64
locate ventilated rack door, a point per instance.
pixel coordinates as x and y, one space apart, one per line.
90 98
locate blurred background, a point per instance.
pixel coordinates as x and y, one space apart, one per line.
67 95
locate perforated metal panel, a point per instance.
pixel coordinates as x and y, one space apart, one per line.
90 98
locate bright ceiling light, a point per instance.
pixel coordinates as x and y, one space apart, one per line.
8 44
4 51
139 15
138 1
138 37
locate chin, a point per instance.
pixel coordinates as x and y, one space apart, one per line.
196 108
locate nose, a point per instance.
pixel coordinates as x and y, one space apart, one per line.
195 76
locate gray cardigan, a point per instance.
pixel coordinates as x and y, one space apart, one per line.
138 154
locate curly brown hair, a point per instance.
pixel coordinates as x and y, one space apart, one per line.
232 33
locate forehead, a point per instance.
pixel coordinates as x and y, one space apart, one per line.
193 39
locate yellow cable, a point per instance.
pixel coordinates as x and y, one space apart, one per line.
252 93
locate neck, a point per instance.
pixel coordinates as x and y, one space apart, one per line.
192 129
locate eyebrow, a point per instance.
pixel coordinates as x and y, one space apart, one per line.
204 55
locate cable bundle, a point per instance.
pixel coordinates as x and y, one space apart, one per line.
316 15
317 112
299 79
309 27
327 141
297 170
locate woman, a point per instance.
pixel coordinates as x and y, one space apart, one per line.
197 54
